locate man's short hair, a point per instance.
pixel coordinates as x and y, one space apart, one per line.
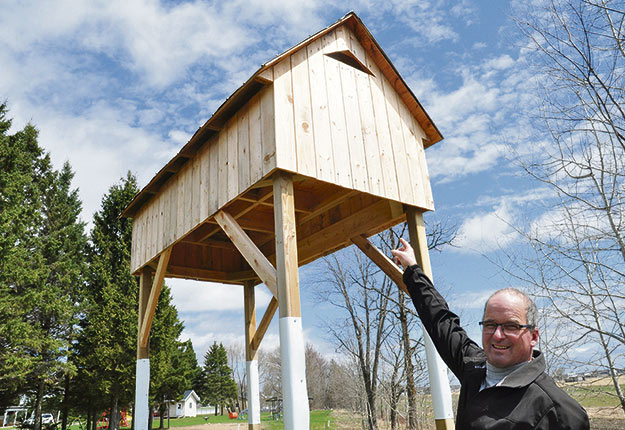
531 311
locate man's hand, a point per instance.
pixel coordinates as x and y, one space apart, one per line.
404 255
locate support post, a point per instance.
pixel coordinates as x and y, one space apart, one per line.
142 378
152 300
294 392
251 359
437 370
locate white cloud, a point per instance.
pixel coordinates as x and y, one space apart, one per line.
487 231
499 63
197 296
470 300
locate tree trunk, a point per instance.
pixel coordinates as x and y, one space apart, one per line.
65 408
411 390
114 415
38 401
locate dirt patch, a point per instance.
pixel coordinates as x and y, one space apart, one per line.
215 426
615 413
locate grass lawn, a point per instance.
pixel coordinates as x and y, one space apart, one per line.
319 420
591 396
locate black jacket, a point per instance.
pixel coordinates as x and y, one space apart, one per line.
528 398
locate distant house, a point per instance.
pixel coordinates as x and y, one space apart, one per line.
187 407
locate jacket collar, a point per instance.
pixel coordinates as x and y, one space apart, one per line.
527 374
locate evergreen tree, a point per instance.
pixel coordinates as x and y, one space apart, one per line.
53 310
172 362
217 386
42 264
21 159
108 341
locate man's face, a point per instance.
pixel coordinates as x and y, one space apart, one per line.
507 350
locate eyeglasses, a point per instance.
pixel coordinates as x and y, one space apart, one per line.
509 329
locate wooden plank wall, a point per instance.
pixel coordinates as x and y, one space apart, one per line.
341 125
224 167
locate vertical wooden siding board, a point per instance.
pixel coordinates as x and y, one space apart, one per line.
412 156
188 196
223 167
367 125
268 124
284 116
173 209
304 135
138 224
339 147
204 166
161 220
382 129
136 241
243 136
197 186
146 234
133 245
321 119
166 215
153 227
358 163
233 158
181 204
256 146
213 176
402 168
429 199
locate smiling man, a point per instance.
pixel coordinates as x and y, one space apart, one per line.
503 384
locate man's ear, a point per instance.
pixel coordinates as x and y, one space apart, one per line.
535 336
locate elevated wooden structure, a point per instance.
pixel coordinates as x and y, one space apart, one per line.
321 148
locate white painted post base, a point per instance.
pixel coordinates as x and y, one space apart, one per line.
295 408
253 392
439 381
142 388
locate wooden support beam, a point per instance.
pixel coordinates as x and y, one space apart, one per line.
145 282
418 239
155 291
265 196
286 246
382 261
293 367
437 370
249 301
255 258
251 358
325 205
264 323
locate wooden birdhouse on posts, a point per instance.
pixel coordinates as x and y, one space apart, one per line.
321 148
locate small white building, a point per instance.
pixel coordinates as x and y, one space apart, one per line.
187 407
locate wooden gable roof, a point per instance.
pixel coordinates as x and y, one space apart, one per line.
261 78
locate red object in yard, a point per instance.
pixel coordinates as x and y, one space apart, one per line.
233 415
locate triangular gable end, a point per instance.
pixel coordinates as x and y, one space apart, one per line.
342 51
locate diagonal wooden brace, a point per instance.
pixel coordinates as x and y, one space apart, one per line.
155 291
382 261
248 249
264 323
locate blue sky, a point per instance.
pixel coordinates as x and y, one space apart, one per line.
116 85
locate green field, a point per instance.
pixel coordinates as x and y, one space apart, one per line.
319 420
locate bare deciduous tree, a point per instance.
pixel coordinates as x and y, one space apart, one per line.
577 257
237 362
353 287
